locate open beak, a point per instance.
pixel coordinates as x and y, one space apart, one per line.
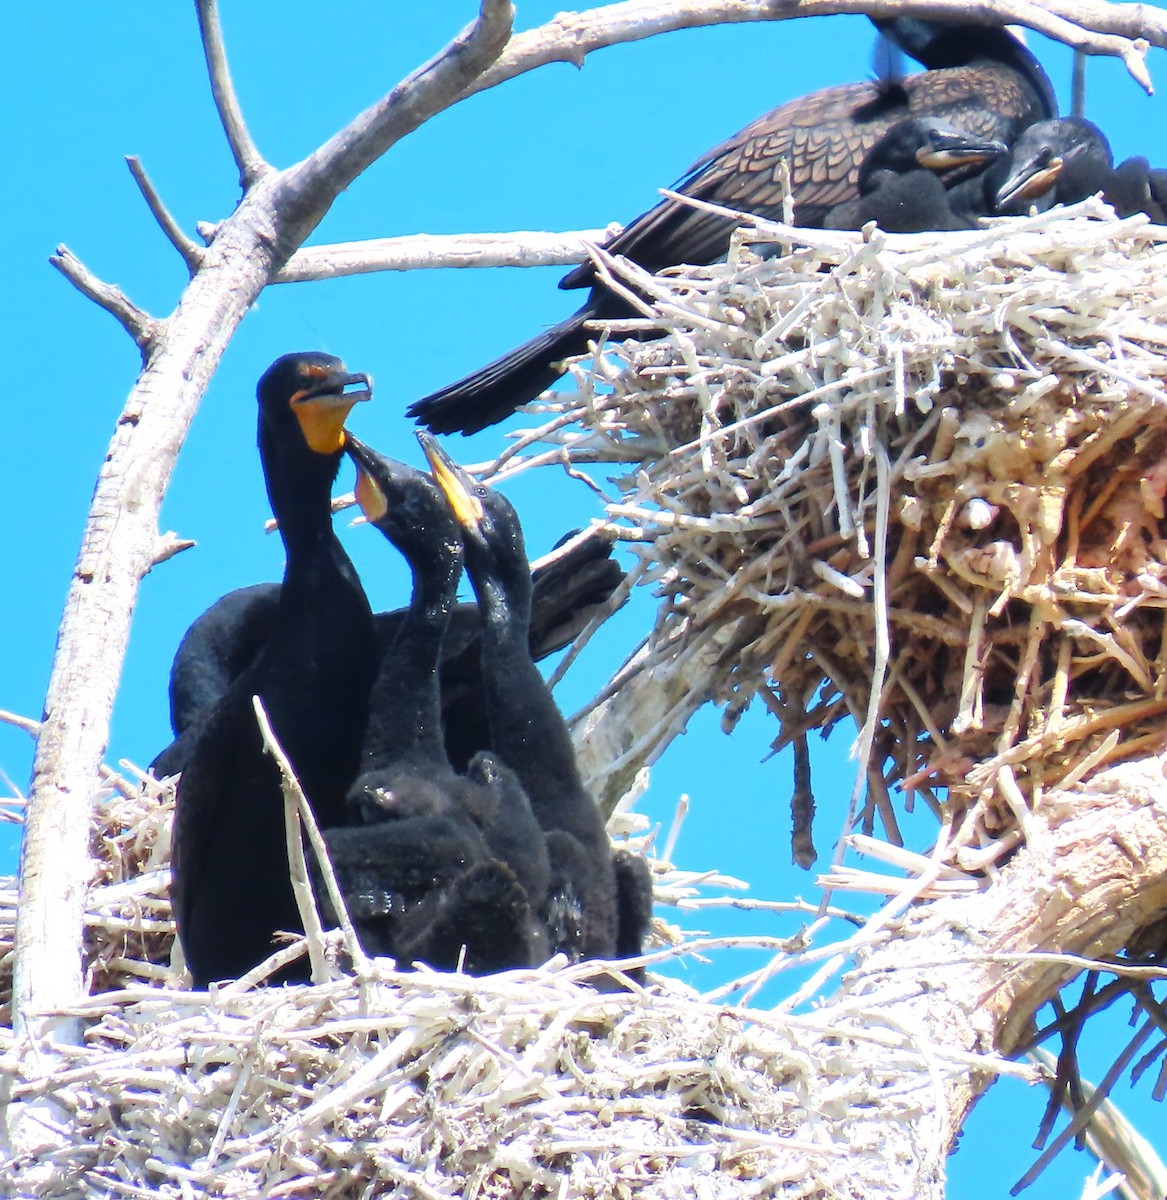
457 486
323 408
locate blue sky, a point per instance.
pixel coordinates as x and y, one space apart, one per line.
84 85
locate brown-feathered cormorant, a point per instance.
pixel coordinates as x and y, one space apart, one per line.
230 888
899 181
529 734
430 853
226 639
980 78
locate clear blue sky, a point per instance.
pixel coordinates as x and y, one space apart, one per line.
84 85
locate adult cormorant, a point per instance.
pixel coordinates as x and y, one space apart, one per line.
230 889
899 181
529 734
980 78
435 866
226 639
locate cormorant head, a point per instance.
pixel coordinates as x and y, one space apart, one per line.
490 526
929 143
1055 162
316 389
407 506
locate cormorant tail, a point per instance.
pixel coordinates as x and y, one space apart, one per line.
491 394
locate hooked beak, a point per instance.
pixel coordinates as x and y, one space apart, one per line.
323 408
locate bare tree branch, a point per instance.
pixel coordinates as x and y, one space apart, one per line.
312 185
422 251
192 255
1093 26
248 159
142 327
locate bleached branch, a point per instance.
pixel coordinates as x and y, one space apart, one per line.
142 327
248 159
426 251
1092 26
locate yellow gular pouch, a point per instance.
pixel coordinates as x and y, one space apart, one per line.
322 419
370 497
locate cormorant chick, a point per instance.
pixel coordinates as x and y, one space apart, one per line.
899 184
528 732
436 867
1060 161
230 889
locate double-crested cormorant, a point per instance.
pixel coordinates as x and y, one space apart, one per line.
1135 186
980 78
1059 161
433 862
529 734
899 181
226 639
230 890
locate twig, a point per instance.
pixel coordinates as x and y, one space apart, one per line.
142 327
299 810
248 159
192 255
295 805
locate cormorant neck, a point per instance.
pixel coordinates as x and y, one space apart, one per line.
405 704
299 487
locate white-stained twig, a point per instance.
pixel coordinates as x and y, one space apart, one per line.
297 810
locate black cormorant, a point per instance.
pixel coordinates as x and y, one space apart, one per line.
979 77
529 734
427 853
230 890
899 181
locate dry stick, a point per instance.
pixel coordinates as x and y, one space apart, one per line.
297 810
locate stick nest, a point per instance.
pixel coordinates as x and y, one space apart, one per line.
918 481
525 1084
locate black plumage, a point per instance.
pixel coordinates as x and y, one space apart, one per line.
900 188
226 639
528 731
1135 186
980 78
230 890
426 849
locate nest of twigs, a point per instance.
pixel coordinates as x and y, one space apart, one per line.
917 481
525 1084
